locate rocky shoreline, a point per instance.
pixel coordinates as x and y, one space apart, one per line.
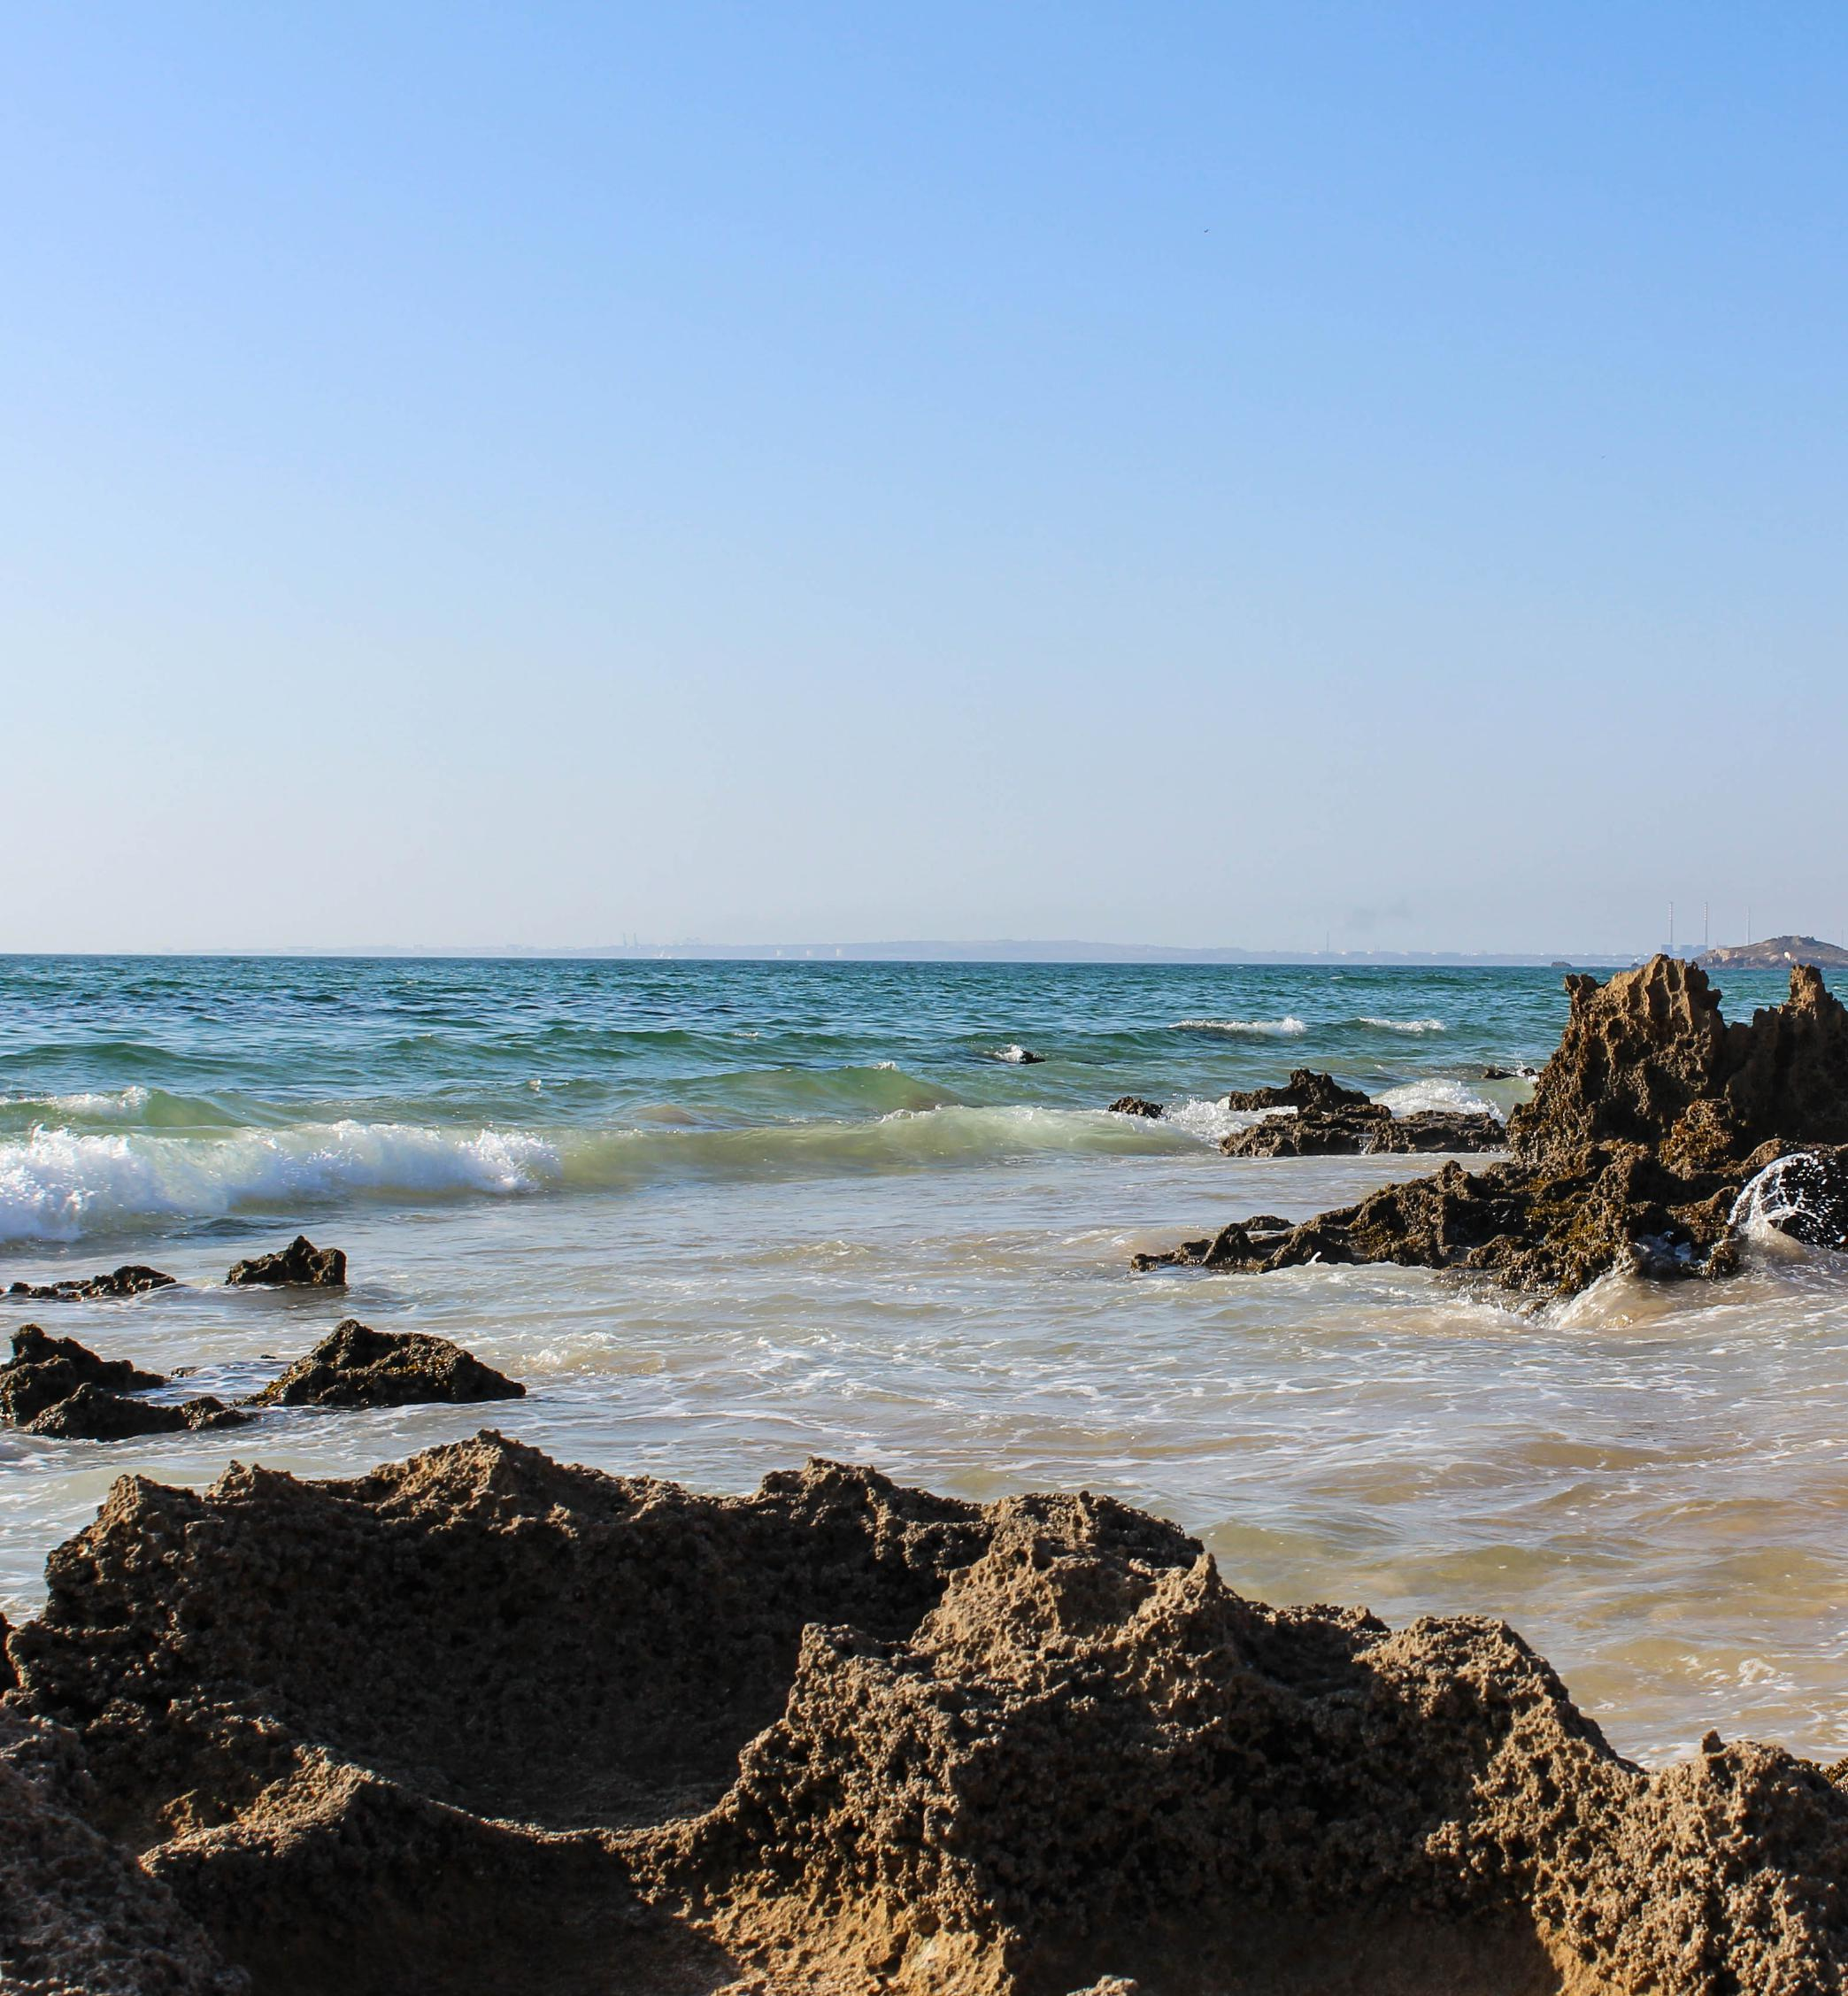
480 1721
1655 1133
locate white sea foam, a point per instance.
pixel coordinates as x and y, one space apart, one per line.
1286 1028
86 1102
1211 1120
1016 1056
1437 1092
1406 1025
58 1184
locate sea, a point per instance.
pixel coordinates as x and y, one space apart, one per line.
719 1217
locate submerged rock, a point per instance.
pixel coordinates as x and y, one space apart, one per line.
44 1370
1019 1057
131 1280
357 1366
479 1722
301 1263
1644 1129
94 1413
1136 1105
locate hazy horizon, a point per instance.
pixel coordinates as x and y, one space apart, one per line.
1301 475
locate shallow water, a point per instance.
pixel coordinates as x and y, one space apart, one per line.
720 1233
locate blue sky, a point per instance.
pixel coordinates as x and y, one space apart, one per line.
1210 474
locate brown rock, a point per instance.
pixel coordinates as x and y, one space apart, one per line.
131 1280
94 1413
357 1366
479 1721
1135 1106
1304 1090
1362 1132
44 1370
300 1263
1644 1129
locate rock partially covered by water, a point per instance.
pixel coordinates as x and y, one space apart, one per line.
1358 1132
357 1366
479 1722
299 1264
131 1280
1644 1129
1305 1090
1135 1106
94 1413
45 1369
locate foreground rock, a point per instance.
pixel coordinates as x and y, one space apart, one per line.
1644 1147
300 1264
478 1722
132 1280
357 1366
1136 1105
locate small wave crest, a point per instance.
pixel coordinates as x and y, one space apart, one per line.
1437 1092
1403 1025
1286 1028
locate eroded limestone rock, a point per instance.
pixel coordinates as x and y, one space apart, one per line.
132 1279
480 1721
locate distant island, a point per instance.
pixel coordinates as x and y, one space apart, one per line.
1774 953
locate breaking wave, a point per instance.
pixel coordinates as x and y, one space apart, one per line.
1286 1028
1403 1025
63 1184
1437 1092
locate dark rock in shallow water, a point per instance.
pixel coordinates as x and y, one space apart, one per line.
1511 1074
44 1370
479 1722
1646 1126
1304 1090
94 1413
1361 1132
132 1280
299 1264
357 1366
1135 1106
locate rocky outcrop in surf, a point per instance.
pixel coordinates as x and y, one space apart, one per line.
301 1264
1304 1091
132 1280
479 1721
1136 1105
1642 1149
1358 1132
356 1365
55 1386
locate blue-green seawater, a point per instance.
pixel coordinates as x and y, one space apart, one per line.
719 1216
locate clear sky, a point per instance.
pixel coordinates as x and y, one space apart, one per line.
1204 473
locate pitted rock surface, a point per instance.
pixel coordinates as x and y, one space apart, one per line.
479 1722
44 1370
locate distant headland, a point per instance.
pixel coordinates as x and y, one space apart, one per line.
1774 953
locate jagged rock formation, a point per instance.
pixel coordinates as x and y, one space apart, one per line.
479 1722
1135 1106
1347 1132
357 1366
299 1264
132 1280
1645 1129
